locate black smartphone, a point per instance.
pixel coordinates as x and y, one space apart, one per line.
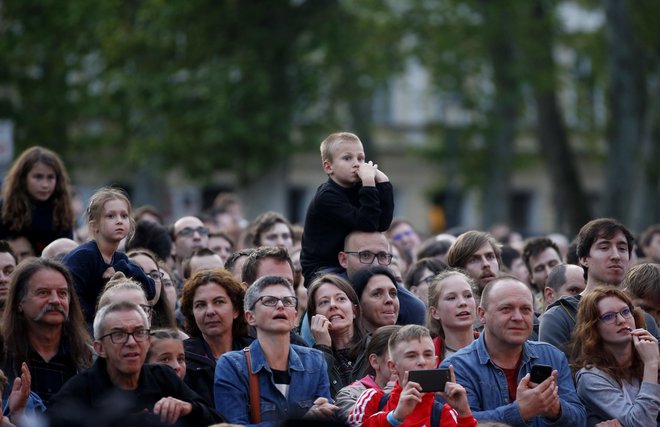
540 373
431 380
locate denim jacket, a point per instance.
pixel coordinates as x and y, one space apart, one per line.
309 381
488 392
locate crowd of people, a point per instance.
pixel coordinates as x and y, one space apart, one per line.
215 320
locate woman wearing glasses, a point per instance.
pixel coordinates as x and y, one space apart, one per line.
420 275
162 316
335 322
212 308
617 360
292 380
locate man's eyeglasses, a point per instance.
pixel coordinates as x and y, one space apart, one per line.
155 274
189 231
426 280
402 235
610 316
367 257
271 301
121 337
147 309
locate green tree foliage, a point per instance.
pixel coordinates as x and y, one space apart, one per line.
200 85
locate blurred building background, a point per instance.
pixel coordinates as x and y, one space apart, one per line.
536 114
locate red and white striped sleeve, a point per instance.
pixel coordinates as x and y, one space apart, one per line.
365 406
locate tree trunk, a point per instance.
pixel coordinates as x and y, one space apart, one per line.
627 81
568 194
503 118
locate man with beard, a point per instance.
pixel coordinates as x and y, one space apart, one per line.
478 254
43 326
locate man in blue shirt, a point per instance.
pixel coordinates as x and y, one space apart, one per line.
495 369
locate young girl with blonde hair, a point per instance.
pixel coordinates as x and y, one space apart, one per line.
93 263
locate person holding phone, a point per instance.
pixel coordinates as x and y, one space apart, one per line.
617 360
496 368
407 405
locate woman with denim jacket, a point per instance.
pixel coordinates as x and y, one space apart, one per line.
292 380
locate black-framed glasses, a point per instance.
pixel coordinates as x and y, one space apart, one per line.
426 280
610 316
271 301
156 275
121 337
148 308
367 257
189 231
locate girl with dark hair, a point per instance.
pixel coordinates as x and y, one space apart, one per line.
378 371
335 322
616 359
36 202
166 348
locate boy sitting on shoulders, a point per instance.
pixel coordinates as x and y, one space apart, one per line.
357 196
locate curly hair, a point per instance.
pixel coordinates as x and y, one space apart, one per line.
17 203
234 290
586 347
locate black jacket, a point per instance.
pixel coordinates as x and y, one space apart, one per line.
333 213
90 399
200 366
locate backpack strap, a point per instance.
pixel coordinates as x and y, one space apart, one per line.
383 400
436 409
255 405
436 413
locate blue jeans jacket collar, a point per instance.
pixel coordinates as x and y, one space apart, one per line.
258 359
529 353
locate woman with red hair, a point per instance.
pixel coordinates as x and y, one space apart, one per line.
616 359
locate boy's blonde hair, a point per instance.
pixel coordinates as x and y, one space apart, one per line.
333 140
405 334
